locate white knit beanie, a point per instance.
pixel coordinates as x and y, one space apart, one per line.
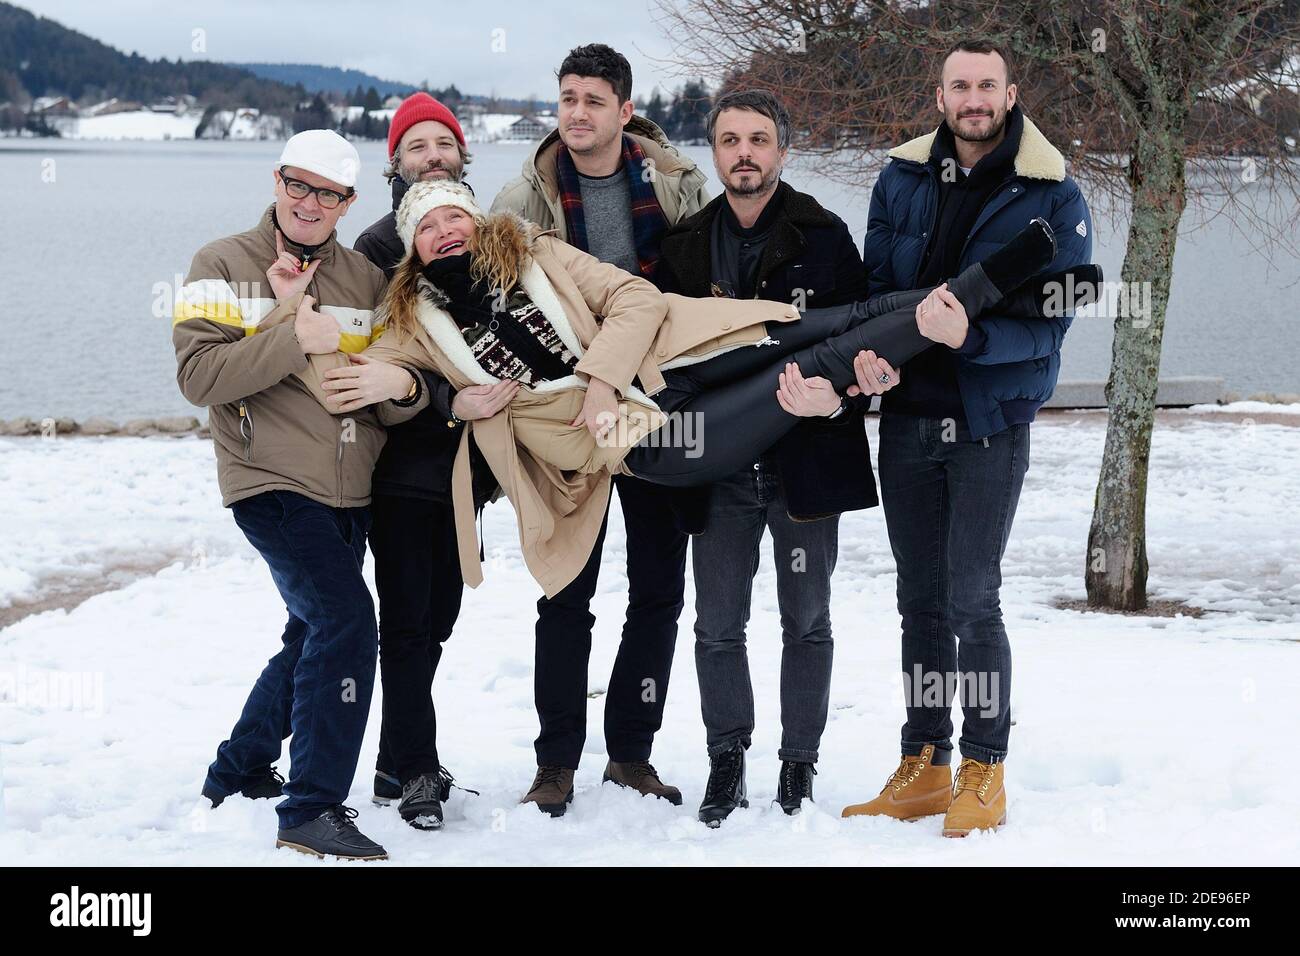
430 194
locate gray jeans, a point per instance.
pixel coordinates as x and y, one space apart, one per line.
725 560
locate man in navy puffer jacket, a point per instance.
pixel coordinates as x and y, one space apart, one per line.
954 434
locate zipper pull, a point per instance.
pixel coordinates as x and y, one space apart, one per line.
245 423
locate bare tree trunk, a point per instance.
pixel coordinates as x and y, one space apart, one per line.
1116 574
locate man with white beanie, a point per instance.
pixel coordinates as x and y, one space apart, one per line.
261 315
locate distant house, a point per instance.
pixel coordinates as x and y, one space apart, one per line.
526 129
393 102
53 105
484 127
172 104
57 112
246 123
111 106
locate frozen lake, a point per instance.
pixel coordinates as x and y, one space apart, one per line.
83 253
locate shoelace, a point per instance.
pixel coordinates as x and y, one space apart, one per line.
427 786
446 781
724 774
548 775
341 818
646 769
906 772
972 775
794 781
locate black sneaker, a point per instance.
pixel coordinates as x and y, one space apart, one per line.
265 784
387 789
332 834
421 804
725 790
794 786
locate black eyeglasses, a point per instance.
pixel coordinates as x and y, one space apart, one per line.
328 198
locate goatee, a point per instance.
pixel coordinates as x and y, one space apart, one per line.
993 131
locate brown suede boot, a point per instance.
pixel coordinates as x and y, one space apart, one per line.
979 800
552 790
640 776
916 789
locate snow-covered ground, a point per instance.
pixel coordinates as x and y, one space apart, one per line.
1137 741
137 124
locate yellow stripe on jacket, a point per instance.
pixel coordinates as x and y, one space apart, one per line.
214 301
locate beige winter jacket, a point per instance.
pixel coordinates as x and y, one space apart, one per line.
236 353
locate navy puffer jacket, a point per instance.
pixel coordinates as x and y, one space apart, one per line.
1007 367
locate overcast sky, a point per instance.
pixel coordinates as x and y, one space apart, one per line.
439 41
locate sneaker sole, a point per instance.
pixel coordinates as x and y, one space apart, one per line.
319 855
423 821
382 801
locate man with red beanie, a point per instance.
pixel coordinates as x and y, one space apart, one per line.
424 142
412 536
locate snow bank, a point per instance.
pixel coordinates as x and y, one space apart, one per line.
138 124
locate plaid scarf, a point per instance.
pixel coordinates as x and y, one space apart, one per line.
648 220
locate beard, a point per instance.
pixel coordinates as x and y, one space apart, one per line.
766 182
994 130
413 174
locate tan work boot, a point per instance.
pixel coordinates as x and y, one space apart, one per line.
916 789
640 776
552 790
979 800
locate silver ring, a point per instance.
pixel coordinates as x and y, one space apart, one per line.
884 379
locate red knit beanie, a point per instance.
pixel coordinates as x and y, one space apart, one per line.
417 108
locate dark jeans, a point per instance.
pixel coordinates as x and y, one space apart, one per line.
949 503
634 703
726 559
318 686
417 574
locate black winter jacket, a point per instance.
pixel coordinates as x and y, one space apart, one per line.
824 465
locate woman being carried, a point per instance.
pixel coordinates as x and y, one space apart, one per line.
487 301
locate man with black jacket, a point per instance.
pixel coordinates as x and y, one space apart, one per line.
762 239
413 536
